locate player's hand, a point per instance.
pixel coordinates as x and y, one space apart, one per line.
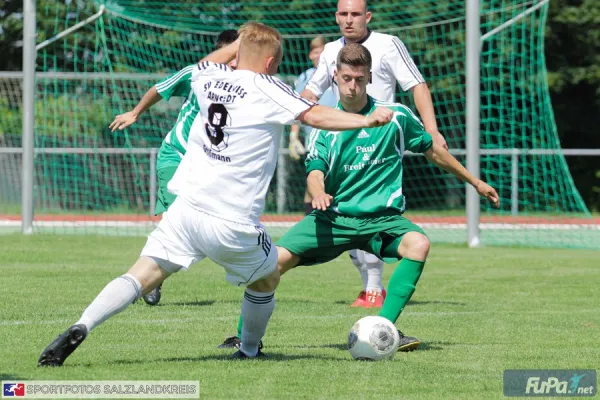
296 149
379 117
438 138
322 201
488 192
123 121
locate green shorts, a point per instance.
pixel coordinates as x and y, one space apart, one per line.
165 198
322 236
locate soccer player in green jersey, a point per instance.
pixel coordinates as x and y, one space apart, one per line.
174 144
355 180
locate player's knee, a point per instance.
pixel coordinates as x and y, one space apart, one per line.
267 284
414 245
273 280
420 247
148 272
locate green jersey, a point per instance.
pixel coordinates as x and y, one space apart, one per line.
363 167
175 143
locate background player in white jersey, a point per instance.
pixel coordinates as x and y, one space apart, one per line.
174 145
391 63
221 186
296 147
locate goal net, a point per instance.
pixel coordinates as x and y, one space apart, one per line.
89 180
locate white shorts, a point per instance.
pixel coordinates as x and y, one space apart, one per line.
185 236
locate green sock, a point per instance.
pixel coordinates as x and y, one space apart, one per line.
401 287
240 327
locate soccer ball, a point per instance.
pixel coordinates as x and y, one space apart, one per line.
373 338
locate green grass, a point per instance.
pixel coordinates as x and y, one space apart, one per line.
477 311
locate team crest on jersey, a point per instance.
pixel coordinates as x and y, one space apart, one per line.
218 119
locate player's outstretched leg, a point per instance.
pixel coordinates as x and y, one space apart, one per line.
371 271
413 249
285 262
257 307
153 298
114 298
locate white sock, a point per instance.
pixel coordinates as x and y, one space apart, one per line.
358 259
114 298
374 267
257 308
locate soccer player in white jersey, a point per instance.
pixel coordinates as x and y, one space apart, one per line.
296 146
391 63
221 185
174 145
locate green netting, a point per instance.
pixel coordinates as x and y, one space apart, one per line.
103 69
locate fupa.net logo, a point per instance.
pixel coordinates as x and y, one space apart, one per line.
553 385
550 383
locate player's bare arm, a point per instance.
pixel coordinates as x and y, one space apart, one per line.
315 183
424 104
440 157
122 121
335 120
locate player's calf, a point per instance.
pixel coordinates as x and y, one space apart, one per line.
413 250
285 261
257 307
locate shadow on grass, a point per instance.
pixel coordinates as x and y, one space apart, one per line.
425 346
8 377
426 302
415 302
428 346
339 346
201 303
223 357
270 356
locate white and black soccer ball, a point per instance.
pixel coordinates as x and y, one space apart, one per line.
373 338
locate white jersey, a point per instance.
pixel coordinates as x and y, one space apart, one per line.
233 143
391 63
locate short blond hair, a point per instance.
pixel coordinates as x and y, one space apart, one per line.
318 41
258 38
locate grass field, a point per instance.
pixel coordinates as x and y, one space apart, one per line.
477 311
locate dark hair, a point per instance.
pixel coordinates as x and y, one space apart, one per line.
355 55
226 37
